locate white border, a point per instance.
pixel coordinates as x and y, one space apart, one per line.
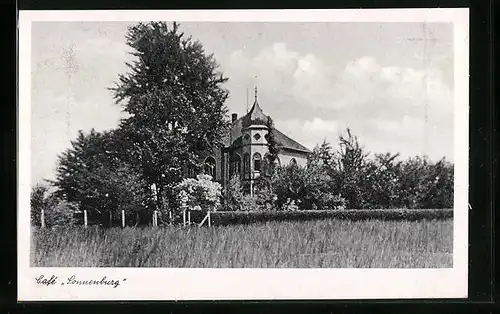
239 284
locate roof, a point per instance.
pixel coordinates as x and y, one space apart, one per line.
255 116
286 142
283 141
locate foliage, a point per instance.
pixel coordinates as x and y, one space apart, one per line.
57 212
234 194
93 174
62 213
198 194
175 102
308 187
383 180
272 143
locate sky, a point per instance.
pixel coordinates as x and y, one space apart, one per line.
313 79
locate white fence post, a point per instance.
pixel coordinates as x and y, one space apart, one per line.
123 218
209 222
42 218
85 218
155 218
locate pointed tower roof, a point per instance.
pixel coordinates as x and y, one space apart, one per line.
255 115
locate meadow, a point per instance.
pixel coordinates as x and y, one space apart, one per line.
326 243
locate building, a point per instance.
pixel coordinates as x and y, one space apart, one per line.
246 146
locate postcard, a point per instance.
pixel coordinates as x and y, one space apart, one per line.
243 154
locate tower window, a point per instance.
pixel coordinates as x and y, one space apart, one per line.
256 161
246 163
256 136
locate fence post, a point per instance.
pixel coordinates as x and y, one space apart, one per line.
155 218
42 218
85 218
123 218
170 218
184 217
209 222
189 217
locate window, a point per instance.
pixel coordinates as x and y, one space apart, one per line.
256 136
247 137
209 167
293 162
246 163
235 165
256 161
191 173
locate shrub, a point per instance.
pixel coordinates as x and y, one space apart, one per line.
198 194
62 213
308 187
57 212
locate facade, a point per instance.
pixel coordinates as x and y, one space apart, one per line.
246 146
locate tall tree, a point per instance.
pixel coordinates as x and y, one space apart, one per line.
347 169
174 97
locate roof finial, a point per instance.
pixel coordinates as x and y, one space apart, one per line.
255 93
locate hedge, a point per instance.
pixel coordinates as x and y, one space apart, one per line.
245 217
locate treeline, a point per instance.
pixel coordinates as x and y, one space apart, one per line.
349 178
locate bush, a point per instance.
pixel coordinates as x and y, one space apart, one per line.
308 187
198 194
57 212
62 213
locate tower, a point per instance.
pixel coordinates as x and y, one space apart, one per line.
254 141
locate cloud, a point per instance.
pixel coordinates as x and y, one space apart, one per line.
390 107
360 84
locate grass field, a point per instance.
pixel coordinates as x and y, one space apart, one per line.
322 243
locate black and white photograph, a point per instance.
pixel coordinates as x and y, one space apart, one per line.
217 147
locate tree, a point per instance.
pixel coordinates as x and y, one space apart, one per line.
93 174
381 183
308 187
234 193
347 169
322 155
175 102
425 184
